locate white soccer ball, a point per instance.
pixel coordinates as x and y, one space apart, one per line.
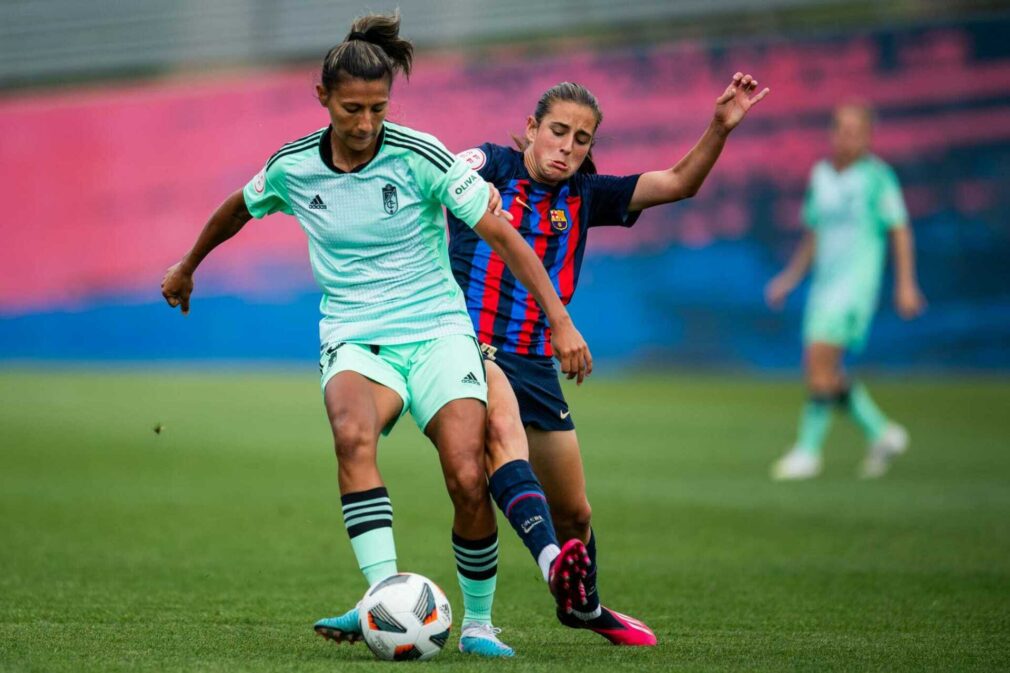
404 617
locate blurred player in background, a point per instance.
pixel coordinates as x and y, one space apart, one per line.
853 207
395 333
554 195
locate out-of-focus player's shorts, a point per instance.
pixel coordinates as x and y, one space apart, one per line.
845 326
426 375
534 380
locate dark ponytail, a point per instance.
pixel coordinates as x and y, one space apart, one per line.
372 50
573 93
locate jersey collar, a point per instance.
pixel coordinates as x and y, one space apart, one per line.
326 151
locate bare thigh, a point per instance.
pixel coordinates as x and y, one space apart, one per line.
506 439
358 409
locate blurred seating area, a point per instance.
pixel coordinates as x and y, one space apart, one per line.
105 185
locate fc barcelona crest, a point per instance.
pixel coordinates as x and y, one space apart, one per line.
558 219
389 201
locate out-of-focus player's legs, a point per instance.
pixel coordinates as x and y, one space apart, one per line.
823 369
828 388
520 497
557 461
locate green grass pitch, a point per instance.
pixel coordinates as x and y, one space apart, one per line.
214 545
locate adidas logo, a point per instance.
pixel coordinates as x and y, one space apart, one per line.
470 378
317 203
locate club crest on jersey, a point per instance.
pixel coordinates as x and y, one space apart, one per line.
389 201
558 219
260 182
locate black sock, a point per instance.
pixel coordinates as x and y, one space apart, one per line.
592 593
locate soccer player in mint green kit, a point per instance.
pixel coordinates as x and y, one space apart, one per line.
395 333
853 207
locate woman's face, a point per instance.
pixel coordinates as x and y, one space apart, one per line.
850 134
560 142
357 109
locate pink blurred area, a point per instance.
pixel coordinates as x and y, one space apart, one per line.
104 188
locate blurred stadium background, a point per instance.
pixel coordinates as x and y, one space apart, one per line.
108 179
213 544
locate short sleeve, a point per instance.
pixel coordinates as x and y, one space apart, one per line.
482 159
450 180
609 199
890 204
267 192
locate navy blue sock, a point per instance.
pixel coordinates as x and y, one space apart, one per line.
519 495
592 594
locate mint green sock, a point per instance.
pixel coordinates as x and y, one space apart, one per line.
477 572
376 554
815 421
866 413
478 597
368 516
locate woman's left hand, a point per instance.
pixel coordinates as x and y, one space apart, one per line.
737 100
909 301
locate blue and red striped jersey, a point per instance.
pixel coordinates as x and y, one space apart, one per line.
554 221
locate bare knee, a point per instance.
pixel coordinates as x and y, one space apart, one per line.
823 382
506 438
822 378
823 369
504 425
353 439
467 489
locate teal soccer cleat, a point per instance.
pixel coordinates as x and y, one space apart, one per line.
482 640
345 628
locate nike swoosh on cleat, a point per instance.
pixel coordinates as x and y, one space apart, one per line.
634 623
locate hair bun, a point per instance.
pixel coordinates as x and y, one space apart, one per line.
392 53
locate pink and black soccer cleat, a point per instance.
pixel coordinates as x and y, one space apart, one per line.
619 629
567 572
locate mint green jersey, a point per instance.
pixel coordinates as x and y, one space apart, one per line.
377 235
851 213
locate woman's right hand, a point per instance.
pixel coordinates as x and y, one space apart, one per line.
571 350
176 286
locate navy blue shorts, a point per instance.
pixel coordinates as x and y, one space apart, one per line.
534 379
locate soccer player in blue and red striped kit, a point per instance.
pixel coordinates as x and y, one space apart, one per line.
554 196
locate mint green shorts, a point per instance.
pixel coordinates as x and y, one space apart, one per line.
846 327
426 375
